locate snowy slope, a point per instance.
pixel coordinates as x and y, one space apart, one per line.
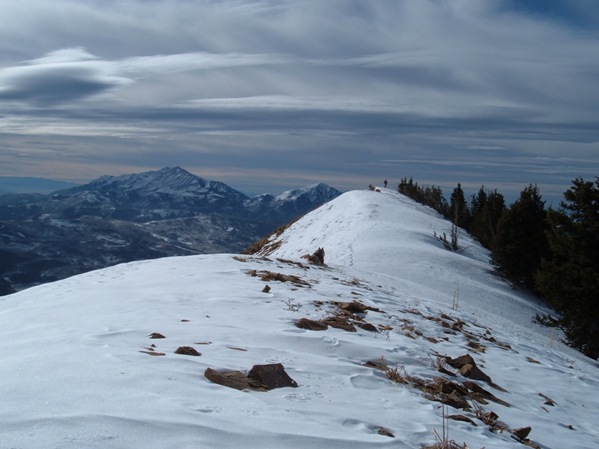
77 372
393 239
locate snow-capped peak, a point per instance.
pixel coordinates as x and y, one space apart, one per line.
313 191
166 180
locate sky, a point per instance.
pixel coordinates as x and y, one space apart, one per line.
270 95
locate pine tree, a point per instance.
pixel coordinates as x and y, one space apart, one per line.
569 275
520 241
458 208
486 210
430 196
408 188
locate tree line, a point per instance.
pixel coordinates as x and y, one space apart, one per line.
552 252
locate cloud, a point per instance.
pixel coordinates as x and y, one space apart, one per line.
59 77
341 86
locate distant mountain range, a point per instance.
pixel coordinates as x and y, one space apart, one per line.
116 219
19 184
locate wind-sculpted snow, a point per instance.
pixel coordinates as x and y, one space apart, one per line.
79 368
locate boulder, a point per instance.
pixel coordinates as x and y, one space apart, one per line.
271 376
260 378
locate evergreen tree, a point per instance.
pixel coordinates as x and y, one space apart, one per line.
520 241
434 198
429 196
486 210
408 188
478 202
458 211
569 276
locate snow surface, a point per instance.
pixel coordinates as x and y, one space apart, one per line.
73 374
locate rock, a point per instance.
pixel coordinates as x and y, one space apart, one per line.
311 325
478 390
353 307
339 323
456 400
474 372
462 418
367 327
489 418
461 361
467 367
187 350
271 376
385 432
266 289
260 378
548 400
156 335
448 387
521 433
477 347
233 379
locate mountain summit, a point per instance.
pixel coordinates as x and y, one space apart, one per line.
169 192
169 181
395 342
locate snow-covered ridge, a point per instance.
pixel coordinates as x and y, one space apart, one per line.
393 239
78 369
